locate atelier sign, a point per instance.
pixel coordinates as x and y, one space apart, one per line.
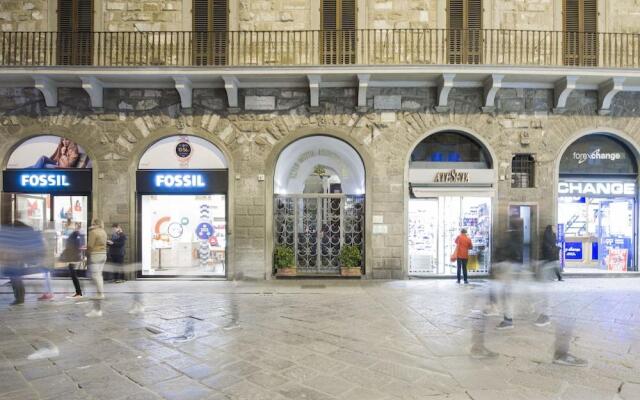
597 188
452 176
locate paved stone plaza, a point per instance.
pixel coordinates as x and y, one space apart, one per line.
316 340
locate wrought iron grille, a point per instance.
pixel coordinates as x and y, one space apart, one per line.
316 226
523 171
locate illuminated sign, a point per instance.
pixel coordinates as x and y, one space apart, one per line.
597 188
44 181
597 154
573 251
180 180
188 181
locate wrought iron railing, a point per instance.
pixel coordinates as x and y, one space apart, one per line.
313 47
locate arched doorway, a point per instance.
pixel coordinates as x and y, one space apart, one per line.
319 202
597 203
181 191
47 184
451 186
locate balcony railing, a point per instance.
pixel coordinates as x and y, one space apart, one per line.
313 47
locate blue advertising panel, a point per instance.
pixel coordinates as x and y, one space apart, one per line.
189 181
46 181
573 250
560 239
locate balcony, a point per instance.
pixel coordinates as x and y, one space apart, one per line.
317 48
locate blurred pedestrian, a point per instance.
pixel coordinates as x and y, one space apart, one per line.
97 253
461 253
116 244
550 252
21 253
72 255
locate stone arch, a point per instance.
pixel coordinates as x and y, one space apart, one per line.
270 165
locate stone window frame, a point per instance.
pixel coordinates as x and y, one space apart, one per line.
187 18
52 15
526 164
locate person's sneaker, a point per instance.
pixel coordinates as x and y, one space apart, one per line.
75 296
466 282
17 303
543 320
98 297
482 352
505 324
569 360
46 296
94 313
491 311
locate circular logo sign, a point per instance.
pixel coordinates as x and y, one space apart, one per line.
183 149
204 231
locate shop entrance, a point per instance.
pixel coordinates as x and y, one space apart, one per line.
181 186
451 187
47 186
317 226
597 206
434 224
319 203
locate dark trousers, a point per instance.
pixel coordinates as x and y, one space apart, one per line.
462 265
117 262
74 278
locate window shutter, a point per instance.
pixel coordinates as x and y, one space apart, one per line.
580 23
465 35
338 21
75 32
210 30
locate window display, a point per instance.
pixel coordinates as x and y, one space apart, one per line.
435 223
598 233
189 239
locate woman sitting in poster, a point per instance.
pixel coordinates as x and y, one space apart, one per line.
65 156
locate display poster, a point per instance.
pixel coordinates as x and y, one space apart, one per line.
48 152
617 260
573 251
560 239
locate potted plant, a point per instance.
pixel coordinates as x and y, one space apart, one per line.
284 260
350 259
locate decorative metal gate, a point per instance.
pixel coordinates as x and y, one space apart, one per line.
316 226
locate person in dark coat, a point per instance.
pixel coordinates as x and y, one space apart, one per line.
116 250
72 255
550 251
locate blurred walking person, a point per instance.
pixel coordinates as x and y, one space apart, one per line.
72 255
21 253
550 252
461 254
117 243
97 253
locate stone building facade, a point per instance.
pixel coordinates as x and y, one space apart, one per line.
525 118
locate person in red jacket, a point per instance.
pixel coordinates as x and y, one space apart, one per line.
463 245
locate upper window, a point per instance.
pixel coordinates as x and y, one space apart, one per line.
211 32
75 32
598 154
465 31
338 19
523 171
580 24
457 149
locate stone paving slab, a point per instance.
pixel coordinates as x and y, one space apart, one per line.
342 340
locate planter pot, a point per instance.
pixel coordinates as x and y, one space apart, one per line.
350 271
291 271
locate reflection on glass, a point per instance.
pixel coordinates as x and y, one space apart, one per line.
183 234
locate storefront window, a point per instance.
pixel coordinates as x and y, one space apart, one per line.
185 240
450 147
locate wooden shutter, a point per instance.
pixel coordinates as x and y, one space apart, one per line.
338 21
465 31
580 25
75 32
211 32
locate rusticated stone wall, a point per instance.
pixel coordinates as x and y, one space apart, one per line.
133 119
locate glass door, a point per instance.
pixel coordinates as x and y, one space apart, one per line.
68 213
423 236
